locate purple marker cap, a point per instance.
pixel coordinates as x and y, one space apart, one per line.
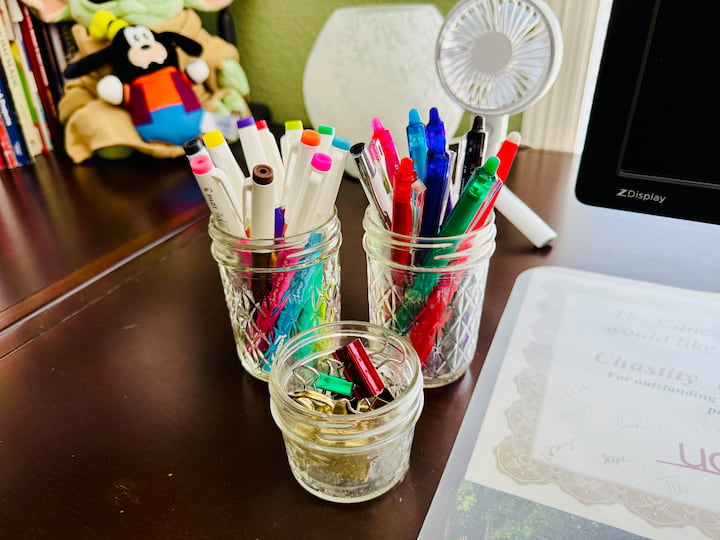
244 122
321 162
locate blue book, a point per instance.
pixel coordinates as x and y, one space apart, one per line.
9 120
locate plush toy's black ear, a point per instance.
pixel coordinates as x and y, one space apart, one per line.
88 64
173 39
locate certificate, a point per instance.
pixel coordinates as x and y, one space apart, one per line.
603 420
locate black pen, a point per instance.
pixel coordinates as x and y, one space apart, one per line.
475 146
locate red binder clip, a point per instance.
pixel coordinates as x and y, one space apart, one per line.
359 369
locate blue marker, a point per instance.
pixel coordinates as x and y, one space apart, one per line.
436 186
417 143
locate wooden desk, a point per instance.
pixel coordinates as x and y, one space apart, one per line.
62 225
129 415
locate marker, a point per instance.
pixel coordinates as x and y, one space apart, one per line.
194 147
271 150
371 182
436 184
326 136
216 188
293 131
417 142
338 152
262 216
384 139
515 210
301 211
297 167
474 144
250 143
224 160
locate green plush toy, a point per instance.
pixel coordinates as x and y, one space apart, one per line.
95 127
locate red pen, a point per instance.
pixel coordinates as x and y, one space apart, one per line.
506 154
383 137
408 193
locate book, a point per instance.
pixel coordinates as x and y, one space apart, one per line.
53 72
27 77
40 75
16 154
30 133
596 415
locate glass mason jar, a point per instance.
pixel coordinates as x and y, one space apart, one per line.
338 451
431 291
276 288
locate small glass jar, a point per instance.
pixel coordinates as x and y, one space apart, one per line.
276 288
336 453
431 291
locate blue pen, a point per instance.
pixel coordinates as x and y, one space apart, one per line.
435 128
417 143
436 186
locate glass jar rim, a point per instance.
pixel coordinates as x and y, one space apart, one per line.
355 329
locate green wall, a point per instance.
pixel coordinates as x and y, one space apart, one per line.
274 41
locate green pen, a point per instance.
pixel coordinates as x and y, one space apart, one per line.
457 223
477 189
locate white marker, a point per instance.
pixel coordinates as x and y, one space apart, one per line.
262 216
250 143
272 155
224 160
326 137
300 212
297 167
216 188
338 152
293 131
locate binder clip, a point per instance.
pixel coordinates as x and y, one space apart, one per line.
368 385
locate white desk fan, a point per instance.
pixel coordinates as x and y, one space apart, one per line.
496 58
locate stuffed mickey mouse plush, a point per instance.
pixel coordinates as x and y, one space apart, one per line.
146 79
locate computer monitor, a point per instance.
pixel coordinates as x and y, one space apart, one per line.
651 144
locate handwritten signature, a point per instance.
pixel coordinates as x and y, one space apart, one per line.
706 462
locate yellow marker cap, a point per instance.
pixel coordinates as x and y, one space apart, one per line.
213 138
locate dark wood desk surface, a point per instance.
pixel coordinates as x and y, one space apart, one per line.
126 414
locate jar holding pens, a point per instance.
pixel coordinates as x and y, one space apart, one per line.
274 234
428 251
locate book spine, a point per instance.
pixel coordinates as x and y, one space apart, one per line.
30 133
16 155
32 93
55 78
40 75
